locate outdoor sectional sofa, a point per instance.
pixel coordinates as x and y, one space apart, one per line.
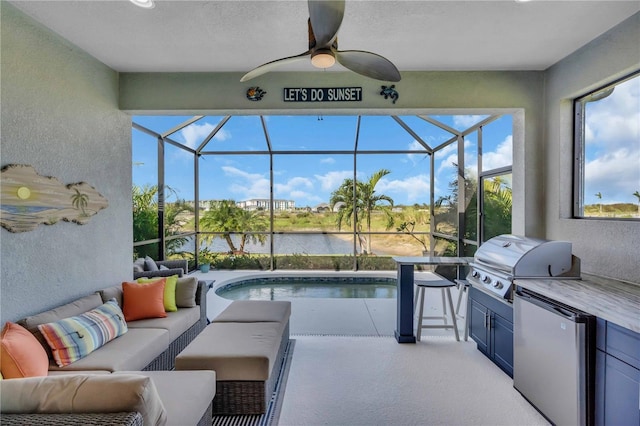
127 376
229 367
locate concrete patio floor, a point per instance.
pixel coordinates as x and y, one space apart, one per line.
347 369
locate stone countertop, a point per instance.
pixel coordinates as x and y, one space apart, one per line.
431 260
606 298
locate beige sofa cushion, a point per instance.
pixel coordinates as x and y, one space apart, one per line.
113 292
77 307
256 311
186 395
175 322
131 351
84 394
68 372
235 351
186 289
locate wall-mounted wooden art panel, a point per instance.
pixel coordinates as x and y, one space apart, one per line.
29 199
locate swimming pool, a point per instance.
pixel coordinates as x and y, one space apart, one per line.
283 288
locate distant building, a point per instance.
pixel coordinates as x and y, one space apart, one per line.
322 207
263 204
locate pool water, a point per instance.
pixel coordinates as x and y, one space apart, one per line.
318 287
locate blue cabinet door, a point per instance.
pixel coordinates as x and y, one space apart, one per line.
621 403
491 327
502 341
479 325
617 384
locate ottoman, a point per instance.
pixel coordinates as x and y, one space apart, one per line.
246 358
256 311
186 395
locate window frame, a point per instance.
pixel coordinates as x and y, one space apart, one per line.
578 176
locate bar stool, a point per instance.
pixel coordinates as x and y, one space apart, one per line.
463 289
435 281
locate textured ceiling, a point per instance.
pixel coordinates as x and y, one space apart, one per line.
238 35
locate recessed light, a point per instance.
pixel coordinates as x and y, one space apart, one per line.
147 4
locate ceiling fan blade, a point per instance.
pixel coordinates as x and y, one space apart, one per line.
326 17
368 64
270 66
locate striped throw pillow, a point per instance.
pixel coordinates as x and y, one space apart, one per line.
75 337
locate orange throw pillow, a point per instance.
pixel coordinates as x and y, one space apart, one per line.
21 355
142 301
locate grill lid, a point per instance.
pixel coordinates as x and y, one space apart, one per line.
521 256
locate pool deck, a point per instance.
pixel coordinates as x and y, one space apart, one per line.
329 316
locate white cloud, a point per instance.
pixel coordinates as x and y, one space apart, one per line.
463 122
295 184
415 188
501 157
328 160
448 165
247 185
616 176
332 180
451 148
417 158
614 122
195 134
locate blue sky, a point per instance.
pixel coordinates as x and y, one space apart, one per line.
306 178
612 139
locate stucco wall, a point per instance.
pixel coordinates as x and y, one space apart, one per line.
60 115
606 247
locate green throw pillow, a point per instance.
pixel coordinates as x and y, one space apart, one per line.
169 291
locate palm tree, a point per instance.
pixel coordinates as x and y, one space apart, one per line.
498 203
145 218
226 217
80 201
599 195
365 202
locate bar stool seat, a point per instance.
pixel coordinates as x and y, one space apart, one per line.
435 281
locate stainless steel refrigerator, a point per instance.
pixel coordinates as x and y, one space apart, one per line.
553 351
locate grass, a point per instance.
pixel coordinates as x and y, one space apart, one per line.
618 210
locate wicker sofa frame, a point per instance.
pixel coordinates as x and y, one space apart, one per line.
175 267
132 418
167 359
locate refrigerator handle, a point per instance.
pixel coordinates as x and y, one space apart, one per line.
547 305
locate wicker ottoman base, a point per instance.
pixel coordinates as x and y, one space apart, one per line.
249 397
237 393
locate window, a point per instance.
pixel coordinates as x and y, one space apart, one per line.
607 152
279 191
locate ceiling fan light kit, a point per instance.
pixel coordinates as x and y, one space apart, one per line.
146 4
323 59
325 18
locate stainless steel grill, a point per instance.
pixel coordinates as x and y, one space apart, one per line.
504 258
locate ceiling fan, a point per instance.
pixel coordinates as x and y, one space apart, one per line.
325 17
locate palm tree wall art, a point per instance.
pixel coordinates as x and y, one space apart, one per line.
30 199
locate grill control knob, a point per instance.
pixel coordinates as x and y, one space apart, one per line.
475 274
486 279
498 285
